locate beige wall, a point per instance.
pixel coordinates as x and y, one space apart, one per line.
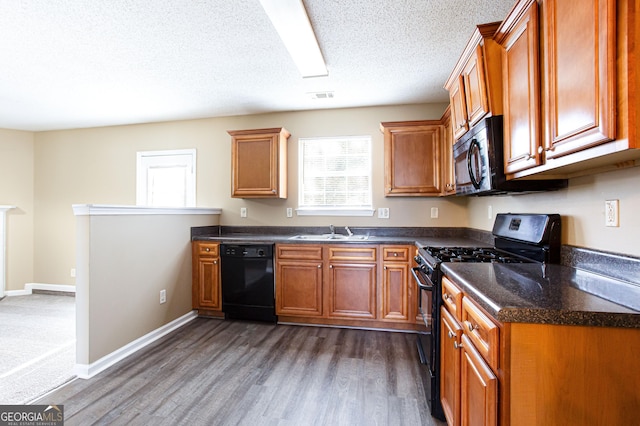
123 263
582 208
97 166
16 189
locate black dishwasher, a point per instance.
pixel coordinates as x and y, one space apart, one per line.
248 284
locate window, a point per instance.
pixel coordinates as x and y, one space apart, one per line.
335 176
166 178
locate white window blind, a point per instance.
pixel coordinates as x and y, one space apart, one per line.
335 173
166 178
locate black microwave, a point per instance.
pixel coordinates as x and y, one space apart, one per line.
479 164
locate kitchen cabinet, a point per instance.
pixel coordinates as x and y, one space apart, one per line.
569 87
412 158
469 354
521 88
579 59
299 276
527 373
259 163
359 285
448 170
475 86
450 367
352 282
396 289
206 291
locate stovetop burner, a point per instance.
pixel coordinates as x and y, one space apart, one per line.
472 254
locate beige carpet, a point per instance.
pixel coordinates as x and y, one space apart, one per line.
37 345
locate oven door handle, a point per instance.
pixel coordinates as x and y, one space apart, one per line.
422 285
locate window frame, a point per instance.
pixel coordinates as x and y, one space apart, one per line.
333 210
142 158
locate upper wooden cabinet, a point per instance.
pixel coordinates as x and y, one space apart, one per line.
448 170
259 163
570 87
579 67
412 158
475 86
521 87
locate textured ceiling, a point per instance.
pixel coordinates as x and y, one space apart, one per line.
86 63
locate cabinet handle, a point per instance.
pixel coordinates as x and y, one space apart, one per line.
207 249
385 268
457 345
445 296
215 262
319 266
395 254
273 190
540 149
330 266
451 335
471 327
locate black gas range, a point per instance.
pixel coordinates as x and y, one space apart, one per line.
518 238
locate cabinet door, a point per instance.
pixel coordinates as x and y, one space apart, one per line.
579 57
450 367
352 290
412 159
208 292
475 89
448 169
258 163
458 109
521 88
299 288
478 388
395 291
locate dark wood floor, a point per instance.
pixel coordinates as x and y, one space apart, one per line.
213 372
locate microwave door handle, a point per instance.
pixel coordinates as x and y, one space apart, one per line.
474 146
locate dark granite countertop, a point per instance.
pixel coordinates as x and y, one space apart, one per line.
418 236
551 294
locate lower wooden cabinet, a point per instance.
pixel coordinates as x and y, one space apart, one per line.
206 293
352 290
299 289
342 284
450 367
468 385
396 284
478 388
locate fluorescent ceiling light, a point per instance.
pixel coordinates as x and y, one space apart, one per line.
290 19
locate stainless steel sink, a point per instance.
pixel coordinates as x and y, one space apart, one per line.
329 237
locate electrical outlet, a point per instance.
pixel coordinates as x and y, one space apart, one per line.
612 213
490 212
163 296
383 213
289 212
243 212
73 272
434 212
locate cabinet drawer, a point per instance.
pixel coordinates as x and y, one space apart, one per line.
396 253
347 253
482 331
208 249
299 251
452 298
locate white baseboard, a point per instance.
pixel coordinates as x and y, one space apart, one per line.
29 287
86 371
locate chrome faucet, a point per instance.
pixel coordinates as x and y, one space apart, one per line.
348 231
333 229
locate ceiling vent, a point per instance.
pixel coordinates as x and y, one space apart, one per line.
321 95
